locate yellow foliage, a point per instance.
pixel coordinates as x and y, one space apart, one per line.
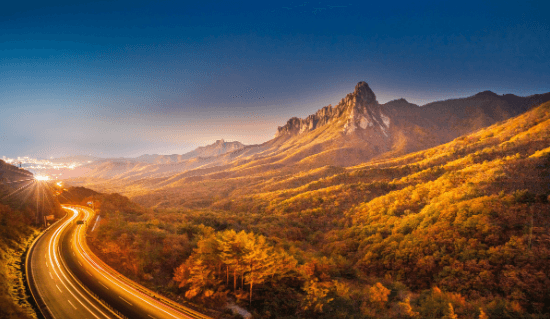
451 314
406 309
541 153
482 314
378 295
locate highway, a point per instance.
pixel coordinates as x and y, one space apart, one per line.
68 281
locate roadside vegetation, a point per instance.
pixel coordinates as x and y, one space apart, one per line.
461 230
17 230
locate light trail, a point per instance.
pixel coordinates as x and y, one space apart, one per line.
71 304
52 251
78 235
69 294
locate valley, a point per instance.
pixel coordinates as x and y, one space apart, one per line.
458 228
274 160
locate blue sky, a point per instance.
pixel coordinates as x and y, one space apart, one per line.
125 78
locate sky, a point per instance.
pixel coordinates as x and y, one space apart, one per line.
126 78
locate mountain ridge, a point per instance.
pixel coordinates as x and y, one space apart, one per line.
356 130
217 148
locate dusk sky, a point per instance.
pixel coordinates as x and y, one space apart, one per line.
126 78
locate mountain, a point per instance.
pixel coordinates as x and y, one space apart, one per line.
19 190
359 129
359 110
400 127
128 171
215 149
459 230
10 174
356 130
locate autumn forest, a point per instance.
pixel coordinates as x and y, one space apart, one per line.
460 230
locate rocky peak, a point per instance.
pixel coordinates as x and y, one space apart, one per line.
360 111
364 93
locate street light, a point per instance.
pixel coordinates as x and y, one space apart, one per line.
39 178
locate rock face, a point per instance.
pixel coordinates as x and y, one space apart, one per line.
360 111
361 123
322 117
352 132
366 114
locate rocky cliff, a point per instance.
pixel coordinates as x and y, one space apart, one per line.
354 131
405 127
360 111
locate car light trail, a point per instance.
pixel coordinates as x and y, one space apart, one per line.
79 234
53 243
78 279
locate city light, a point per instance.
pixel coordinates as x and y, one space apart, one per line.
38 164
42 178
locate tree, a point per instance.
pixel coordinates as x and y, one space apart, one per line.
317 295
258 260
378 295
482 314
451 314
232 250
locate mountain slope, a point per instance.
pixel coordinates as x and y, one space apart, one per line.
249 182
130 170
18 227
356 130
359 129
461 227
212 150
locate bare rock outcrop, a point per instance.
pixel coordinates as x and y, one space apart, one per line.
359 110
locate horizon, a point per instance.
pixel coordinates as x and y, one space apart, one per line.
294 159
142 77
29 161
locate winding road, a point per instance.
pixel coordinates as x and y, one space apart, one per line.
68 281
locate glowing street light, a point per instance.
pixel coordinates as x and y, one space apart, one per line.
42 178
39 185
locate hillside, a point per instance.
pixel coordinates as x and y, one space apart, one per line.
218 148
356 130
18 226
130 170
458 229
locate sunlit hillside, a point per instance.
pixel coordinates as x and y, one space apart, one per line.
461 229
21 199
354 131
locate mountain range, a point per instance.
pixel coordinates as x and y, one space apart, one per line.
459 230
212 150
356 130
377 210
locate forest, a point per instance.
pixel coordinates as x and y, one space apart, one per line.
461 230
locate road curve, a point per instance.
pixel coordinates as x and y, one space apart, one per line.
68 281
